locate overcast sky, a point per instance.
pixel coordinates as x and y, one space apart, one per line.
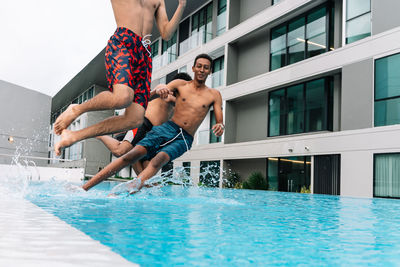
45 43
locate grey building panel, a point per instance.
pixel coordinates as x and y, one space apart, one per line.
25 115
253 55
249 8
357 95
385 15
251 118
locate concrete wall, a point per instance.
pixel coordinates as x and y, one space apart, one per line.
385 15
251 119
357 95
253 55
249 8
25 115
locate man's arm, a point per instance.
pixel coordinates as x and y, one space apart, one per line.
218 128
167 28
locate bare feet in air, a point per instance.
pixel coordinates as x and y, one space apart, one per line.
66 140
65 119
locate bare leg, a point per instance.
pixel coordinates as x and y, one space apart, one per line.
134 155
138 167
132 118
120 97
116 147
153 167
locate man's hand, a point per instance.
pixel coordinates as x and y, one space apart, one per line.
163 91
170 99
218 129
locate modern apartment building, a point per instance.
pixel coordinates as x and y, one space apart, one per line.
311 91
24 125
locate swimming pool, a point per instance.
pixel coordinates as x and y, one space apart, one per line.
176 225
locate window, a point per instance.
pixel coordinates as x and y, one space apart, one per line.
387 91
290 174
275 2
358 20
167 170
218 72
186 167
169 50
154 48
387 175
202 24
209 173
213 137
221 17
301 108
303 37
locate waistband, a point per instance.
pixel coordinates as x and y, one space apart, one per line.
178 128
120 30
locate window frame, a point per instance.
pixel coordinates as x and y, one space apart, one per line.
328 112
328 21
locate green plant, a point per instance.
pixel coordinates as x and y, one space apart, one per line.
305 190
256 180
232 180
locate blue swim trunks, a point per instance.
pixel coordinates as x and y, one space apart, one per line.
168 138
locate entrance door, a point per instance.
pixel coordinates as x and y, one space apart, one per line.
293 173
327 174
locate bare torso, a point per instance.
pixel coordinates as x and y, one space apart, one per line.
159 111
136 15
192 106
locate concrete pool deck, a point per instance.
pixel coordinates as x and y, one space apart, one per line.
29 236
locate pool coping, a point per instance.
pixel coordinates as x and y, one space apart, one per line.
30 236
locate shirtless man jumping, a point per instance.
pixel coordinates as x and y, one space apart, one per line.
170 140
128 68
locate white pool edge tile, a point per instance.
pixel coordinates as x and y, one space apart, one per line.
30 236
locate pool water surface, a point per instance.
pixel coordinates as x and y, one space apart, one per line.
176 225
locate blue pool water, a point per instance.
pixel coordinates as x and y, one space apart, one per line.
174 225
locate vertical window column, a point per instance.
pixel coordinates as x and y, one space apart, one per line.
387 91
358 20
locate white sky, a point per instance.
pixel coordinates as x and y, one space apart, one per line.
45 43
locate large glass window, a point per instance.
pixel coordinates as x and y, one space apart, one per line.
154 48
292 174
302 37
387 91
213 137
301 108
202 24
358 20
209 173
218 72
169 50
387 175
221 17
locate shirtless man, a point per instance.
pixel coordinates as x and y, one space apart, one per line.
158 111
128 68
170 140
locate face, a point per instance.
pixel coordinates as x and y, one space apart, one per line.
201 69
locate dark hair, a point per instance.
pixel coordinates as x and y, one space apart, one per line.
203 56
182 76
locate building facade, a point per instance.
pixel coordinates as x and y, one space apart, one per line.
24 125
311 91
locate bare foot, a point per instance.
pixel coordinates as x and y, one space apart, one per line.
65 119
66 141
